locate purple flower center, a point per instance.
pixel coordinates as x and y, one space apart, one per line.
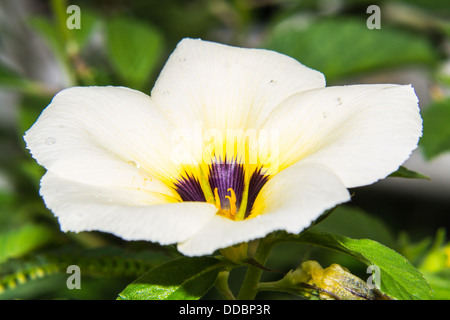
227 181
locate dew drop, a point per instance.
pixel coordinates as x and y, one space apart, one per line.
50 140
134 164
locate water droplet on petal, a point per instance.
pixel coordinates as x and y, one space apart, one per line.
134 164
50 140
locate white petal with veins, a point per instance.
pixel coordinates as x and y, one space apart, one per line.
226 87
105 136
122 212
362 132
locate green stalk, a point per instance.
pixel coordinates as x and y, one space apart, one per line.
59 11
250 287
222 285
72 57
58 8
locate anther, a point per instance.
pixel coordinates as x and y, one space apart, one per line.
232 200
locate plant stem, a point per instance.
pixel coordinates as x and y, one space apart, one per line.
300 290
249 287
77 69
222 285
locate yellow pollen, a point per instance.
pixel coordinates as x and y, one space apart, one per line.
228 213
232 200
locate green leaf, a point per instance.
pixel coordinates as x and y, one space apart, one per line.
440 282
399 278
179 279
15 81
436 129
10 78
414 252
403 172
339 47
20 241
437 256
106 262
134 49
357 224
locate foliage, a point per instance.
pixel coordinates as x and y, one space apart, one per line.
312 46
399 279
134 50
179 279
436 138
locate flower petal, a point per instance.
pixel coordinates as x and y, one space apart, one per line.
122 212
362 132
225 87
289 201
104 136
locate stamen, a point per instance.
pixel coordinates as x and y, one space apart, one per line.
232 200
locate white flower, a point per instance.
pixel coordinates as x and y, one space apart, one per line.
160 168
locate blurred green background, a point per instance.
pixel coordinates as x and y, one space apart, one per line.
127 42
